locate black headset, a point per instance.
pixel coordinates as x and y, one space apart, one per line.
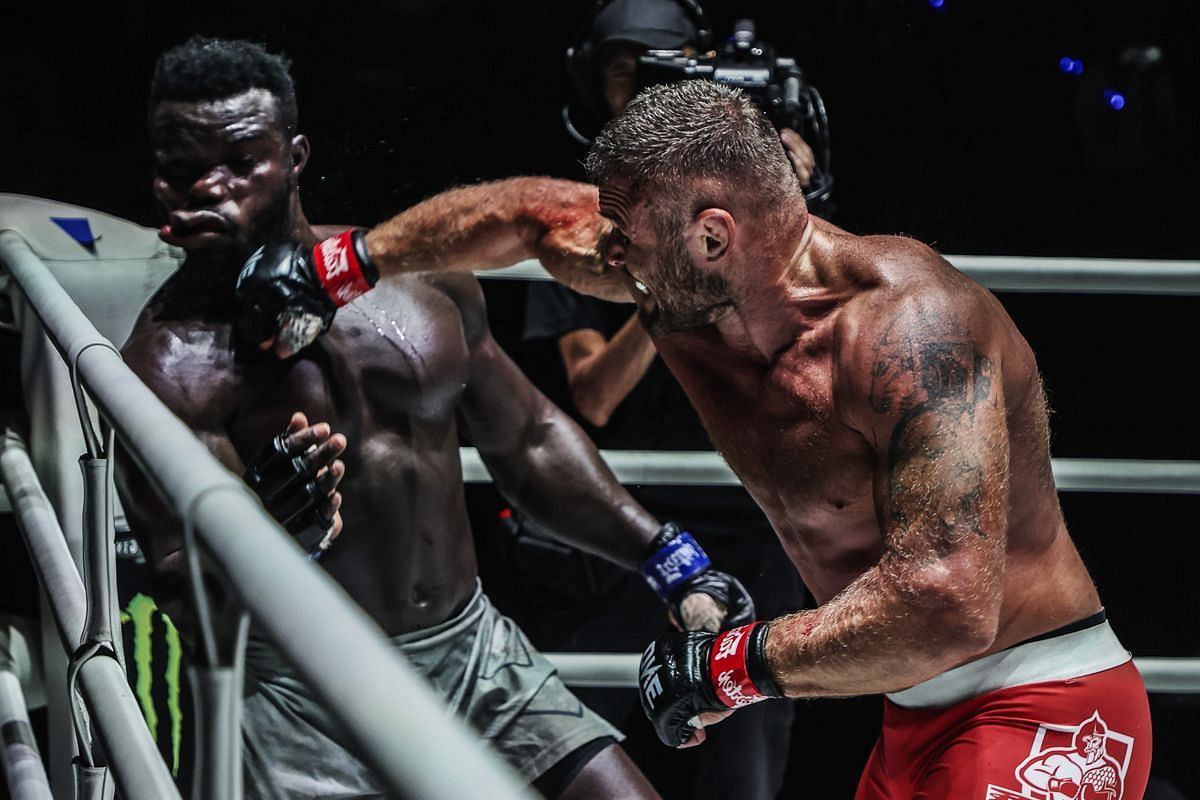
581 67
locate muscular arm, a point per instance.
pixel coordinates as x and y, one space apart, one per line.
928 398
158 530
190 388
602 372
493 225
540 459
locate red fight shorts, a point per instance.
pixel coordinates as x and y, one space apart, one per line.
1080 737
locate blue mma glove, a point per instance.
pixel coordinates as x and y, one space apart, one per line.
676 568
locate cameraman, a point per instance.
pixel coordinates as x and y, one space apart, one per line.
628 399
603 64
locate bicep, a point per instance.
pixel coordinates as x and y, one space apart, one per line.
931 401
942 475
148 511
500 406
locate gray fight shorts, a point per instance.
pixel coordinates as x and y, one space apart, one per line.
478 661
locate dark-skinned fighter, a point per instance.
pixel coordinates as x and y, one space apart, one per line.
397 376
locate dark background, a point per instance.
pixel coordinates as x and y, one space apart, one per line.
953 125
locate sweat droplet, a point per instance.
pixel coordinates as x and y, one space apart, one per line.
400 341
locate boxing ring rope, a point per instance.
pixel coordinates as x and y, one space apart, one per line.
619 671
1027 274
999 273
115 716
681 468
22 765
409 738
706 468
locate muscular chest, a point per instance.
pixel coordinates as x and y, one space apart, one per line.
776 427
391 368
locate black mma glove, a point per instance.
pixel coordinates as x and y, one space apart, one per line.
292 291
289 492
684 674
676 567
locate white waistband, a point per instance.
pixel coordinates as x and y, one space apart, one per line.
1071 655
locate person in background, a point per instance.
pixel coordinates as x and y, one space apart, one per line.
627 399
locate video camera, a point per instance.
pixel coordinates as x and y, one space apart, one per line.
776 85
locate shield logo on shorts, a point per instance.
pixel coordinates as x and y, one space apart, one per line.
1085 761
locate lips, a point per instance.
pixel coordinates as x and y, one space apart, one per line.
188 225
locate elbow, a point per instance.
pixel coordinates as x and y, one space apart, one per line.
962 622
596 416
589 405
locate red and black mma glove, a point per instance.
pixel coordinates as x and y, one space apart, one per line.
686 673
289 492
282 283
676 567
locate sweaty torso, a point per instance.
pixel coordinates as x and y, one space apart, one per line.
777 423
389 375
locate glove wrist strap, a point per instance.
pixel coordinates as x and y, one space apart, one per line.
676 559
738 666
344 267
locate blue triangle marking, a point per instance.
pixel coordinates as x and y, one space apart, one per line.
77 228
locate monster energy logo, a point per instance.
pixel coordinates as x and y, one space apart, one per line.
142 614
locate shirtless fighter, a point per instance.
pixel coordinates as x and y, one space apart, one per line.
396 375
888 417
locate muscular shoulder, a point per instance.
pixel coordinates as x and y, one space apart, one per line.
180 362
464 290
922 324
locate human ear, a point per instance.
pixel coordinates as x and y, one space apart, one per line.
299 150
710 236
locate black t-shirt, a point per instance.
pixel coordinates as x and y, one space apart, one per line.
656 415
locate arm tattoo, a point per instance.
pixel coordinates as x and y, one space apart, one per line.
932 381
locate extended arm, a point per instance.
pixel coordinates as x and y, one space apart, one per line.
288 293
540 459
497 224
602 372
549 469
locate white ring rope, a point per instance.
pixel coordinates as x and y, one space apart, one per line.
700 468
707 468
620 670
1026 274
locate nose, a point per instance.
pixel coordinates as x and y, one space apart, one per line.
212 186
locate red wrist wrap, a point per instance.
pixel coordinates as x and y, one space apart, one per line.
338 269
730 675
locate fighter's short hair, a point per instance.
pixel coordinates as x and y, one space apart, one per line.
204 68
674 132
